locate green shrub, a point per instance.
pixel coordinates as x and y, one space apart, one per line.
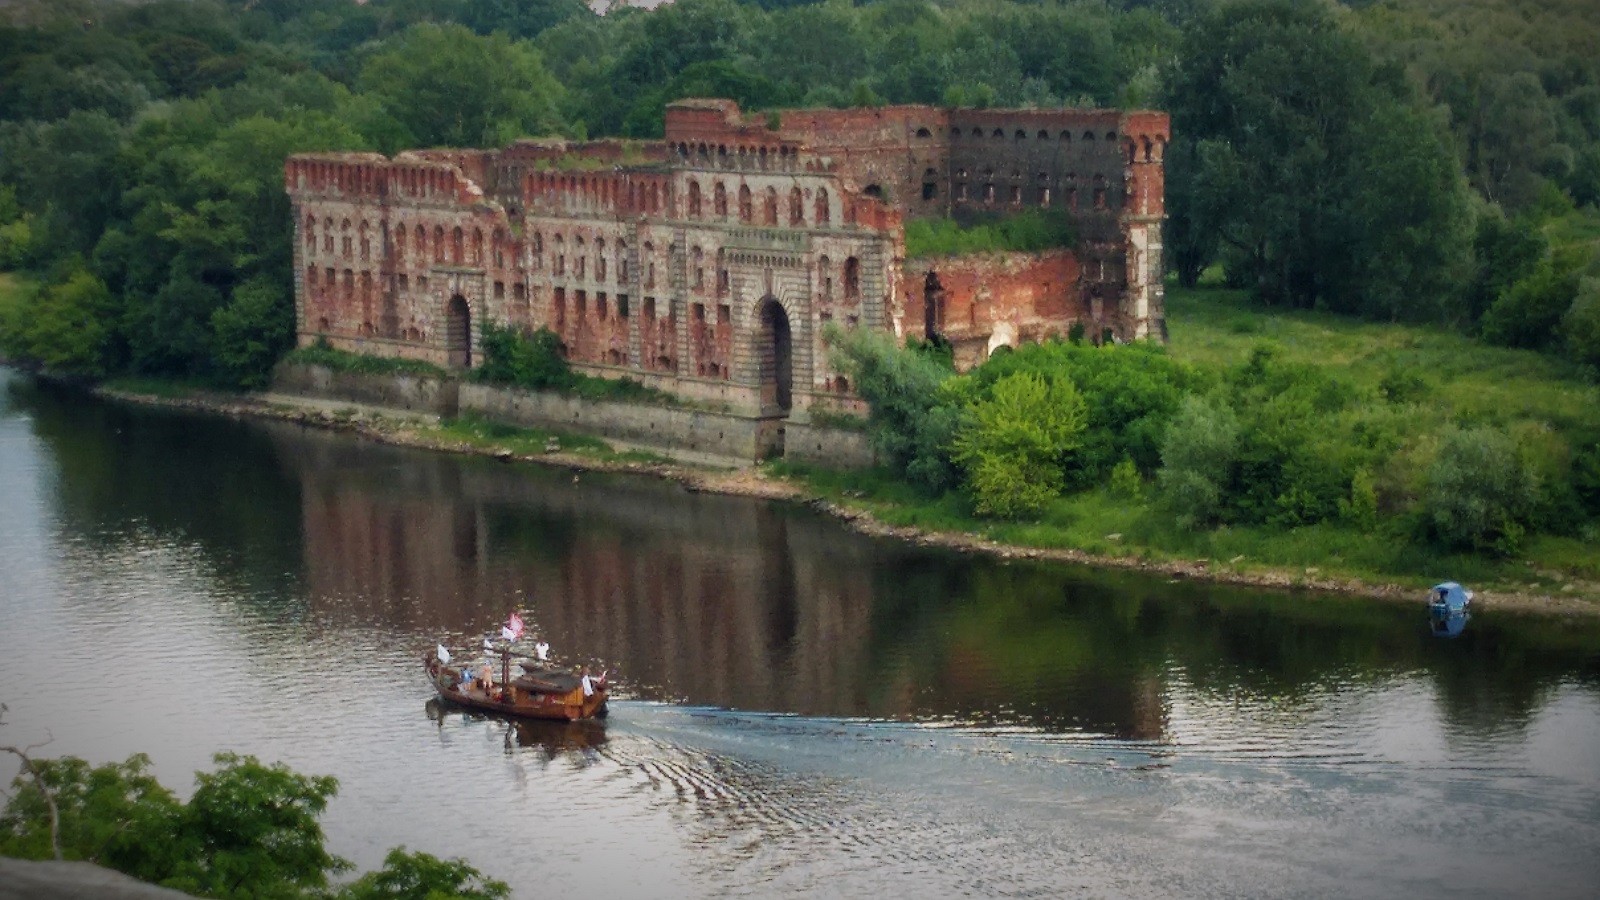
1015 440
1480 492
531 361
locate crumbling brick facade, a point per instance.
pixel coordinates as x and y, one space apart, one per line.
710 262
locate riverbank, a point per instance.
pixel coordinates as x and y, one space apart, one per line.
579 454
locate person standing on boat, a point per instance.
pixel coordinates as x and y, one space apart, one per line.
541 651
587 682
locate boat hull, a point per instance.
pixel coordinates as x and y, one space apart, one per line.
520 702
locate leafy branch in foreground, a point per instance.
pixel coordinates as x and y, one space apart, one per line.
251 830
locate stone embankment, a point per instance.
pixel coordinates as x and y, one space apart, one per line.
409 430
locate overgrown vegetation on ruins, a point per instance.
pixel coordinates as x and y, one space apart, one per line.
1028 231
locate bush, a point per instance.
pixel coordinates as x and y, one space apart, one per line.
321 354
1527 313
532 361
914 415
1581 325
1015 440
1480 492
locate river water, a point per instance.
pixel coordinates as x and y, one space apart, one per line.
800 711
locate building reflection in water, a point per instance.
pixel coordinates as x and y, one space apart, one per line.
702 599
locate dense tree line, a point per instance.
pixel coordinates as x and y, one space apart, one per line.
1407 159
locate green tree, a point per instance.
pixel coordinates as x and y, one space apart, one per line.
1528 313
1581 324
67 329
250 332
1014 443
419 876
453 88
913 417
1301 165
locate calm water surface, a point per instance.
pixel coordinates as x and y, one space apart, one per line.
802 711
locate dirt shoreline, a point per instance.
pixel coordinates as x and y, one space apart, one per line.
400 428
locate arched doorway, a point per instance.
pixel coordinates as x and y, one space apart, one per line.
776 356
458 333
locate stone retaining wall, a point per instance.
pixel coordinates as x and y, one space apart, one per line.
416 393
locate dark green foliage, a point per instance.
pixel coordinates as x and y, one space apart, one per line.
419 876
911 424
1321 185
1130 391
534 362
1480 492
249 832
1527 313
526 361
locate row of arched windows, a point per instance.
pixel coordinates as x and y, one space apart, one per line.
794 213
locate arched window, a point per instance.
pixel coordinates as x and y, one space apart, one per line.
311 234
400 243
477 246
422 244
770 208
745 211
649 264
457 245
719 201
694 199
438 243
622 262
698 260
797 213
580 257
344 239
825 276
561 255
600 259
823 218
536 250
852 279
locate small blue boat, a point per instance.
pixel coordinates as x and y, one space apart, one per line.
1449 599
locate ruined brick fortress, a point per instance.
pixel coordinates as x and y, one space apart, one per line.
709 263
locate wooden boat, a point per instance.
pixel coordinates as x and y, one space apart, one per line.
536 693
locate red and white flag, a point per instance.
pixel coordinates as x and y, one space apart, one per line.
513 628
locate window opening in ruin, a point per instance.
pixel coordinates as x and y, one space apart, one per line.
1099 198
622 306
438 243
1016 193
988 193
499 290
694 199
797 215
458 332
999 134
770 207
823 218
746 210
873 190
600 260
1020 135
932 306
852 279
457 245
558 303
600 306
775 356
477 246
719 200
924 133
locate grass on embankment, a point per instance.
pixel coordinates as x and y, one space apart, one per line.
1446 378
